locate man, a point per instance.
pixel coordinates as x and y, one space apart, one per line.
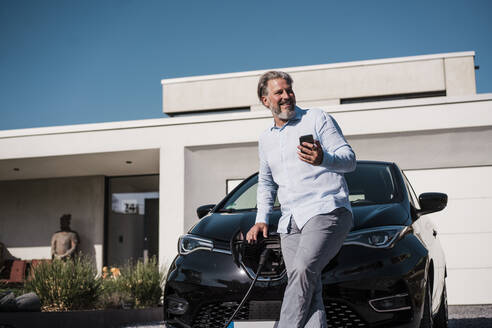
316 212
64 243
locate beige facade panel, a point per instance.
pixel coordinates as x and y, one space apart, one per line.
460 76
310 86
330 83
370 80
209 94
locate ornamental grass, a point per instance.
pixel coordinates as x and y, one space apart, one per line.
66 285
143 281
75 285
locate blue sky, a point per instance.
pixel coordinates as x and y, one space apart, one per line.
85 61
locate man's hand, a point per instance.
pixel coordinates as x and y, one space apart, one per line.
253 232
310 153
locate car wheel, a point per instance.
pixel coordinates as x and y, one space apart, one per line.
426 321
441 319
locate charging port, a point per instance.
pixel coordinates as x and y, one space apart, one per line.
248 255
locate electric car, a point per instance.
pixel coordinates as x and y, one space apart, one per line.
390 271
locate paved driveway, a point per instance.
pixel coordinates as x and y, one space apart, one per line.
460 316
470 316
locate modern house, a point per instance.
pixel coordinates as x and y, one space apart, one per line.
133 187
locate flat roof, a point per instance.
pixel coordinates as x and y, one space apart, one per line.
318 67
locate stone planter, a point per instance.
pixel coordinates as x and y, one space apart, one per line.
82 319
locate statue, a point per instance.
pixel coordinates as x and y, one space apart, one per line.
65 242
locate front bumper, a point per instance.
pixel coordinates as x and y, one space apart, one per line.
213 285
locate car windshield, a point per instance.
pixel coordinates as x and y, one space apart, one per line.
370 183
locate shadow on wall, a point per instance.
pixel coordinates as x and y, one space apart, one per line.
5 254
86 246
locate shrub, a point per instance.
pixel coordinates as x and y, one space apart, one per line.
114 294
66 285
143 281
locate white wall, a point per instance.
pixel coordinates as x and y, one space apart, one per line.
220 163
464 228
30 212
427 149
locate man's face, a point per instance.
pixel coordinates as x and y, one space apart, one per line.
280 99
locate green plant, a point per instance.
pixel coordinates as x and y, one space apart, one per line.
143 281
113 294
66 285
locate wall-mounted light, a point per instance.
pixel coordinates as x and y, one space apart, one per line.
129 162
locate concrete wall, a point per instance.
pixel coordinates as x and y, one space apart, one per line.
453 73
30 212
427 149
220 163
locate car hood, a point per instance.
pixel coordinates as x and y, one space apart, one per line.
223 226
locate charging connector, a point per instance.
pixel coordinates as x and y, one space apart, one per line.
265 254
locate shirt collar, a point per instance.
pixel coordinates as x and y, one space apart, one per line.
297 117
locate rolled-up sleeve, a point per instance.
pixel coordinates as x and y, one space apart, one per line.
267 189
338 156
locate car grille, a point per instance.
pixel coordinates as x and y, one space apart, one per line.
216 315
339 314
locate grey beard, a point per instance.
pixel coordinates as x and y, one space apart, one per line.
286 115
283 115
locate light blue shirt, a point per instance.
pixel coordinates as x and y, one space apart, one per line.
304 190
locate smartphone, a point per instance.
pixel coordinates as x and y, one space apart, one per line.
307 138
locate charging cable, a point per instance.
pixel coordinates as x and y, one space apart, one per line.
263 258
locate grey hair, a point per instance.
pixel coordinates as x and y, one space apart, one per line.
271 75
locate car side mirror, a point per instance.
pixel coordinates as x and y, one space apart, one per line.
432 202
203 210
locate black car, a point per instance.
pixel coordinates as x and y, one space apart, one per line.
390 271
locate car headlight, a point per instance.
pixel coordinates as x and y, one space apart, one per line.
380 237
190 243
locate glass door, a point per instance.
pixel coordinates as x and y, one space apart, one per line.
133 219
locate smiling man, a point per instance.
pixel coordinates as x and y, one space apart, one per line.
308 180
